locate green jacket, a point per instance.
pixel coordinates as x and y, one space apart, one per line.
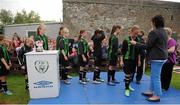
57 42
83 47
129 51
113 47
44 39
64 45
4 54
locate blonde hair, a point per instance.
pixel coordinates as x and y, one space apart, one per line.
41 26
135 27
168 31
65 30
29 40
6 43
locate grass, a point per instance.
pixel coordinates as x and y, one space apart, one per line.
17 85
175 81
21 96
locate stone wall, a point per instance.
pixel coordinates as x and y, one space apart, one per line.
91 14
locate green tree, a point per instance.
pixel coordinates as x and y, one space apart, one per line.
33 17
24 17
19 18
6 17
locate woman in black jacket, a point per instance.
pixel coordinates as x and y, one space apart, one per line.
97 39
157 54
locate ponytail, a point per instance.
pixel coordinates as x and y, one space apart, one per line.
60 29
38 30
80 34
114 28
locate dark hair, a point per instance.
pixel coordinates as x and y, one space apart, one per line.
158 21
60 29
99 32
114 28
80 34
96 32
38 30
82 31
1 38
16 36
142 32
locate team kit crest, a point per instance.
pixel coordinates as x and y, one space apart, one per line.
41 66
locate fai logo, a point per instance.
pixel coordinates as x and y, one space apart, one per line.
43 84
41 66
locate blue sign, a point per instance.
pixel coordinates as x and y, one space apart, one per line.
43 84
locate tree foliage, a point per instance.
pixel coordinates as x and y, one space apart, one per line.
24 17
6 17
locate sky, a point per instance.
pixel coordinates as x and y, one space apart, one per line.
50 10
172 0
47 9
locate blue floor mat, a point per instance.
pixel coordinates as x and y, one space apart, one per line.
104 94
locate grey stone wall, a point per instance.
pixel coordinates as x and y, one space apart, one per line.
91 14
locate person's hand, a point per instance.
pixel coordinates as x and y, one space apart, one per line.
88 56
133 42
121 63
23 67
66 58
8 67
84 59
10 64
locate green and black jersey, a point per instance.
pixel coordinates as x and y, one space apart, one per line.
57 42
64 45
83 47
129 51
4 54
113 47
42 38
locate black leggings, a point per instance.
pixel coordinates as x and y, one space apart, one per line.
111 75
166 75
63 70
82 73
129 67
64 74
140 71
97 71
96 74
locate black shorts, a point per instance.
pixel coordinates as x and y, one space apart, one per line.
3 71
81 62
62 61
97 61
113 61
129 66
